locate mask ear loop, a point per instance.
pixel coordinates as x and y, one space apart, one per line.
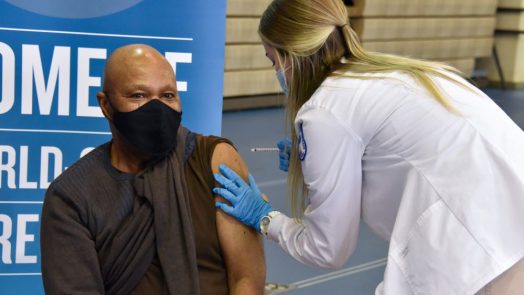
279 60
282 66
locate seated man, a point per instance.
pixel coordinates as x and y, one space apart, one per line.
137 215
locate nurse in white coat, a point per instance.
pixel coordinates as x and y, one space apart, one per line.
428 161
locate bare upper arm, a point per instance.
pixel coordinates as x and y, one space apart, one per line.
241 245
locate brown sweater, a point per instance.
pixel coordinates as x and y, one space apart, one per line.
92 200
211 267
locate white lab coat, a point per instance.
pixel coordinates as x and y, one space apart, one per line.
446 190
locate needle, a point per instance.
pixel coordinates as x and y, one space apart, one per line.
260 149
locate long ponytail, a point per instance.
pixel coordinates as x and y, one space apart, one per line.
315 35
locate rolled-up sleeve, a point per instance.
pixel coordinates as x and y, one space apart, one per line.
332 168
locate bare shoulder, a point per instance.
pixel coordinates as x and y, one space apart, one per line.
225 153
242 246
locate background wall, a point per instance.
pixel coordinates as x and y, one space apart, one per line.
509 40
451 31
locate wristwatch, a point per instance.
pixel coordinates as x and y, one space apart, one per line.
265 220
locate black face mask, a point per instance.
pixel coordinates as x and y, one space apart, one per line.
151 129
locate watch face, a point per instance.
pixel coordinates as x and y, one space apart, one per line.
264 223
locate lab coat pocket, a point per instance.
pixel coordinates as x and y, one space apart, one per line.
440 256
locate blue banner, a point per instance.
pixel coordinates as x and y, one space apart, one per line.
52 54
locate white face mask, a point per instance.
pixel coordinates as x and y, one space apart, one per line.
281 77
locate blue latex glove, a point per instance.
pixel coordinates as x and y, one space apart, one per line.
247 204
284 147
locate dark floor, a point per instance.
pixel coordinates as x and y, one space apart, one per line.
364 270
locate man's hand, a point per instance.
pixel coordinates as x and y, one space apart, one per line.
247 202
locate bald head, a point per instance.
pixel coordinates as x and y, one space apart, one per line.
133 59
135 74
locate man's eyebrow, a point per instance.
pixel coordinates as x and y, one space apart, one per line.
147 88
169 88
138 86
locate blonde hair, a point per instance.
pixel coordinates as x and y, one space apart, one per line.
315 36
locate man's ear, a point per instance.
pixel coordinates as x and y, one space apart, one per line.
103 102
